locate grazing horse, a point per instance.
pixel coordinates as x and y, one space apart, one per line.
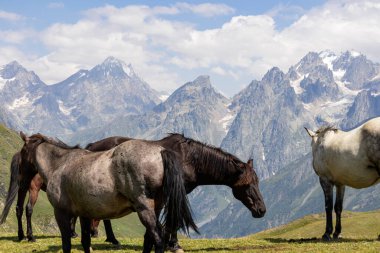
23 180
135 176
345 158
207 165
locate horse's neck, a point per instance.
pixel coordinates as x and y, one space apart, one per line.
48 157
211 174
342 141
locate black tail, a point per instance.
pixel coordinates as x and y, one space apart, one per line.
177 211
13 186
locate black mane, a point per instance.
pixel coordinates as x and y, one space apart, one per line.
204 156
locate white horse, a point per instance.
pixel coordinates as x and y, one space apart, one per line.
342 158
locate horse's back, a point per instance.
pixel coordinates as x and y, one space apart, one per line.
138 162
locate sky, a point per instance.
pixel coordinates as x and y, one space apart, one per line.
170 43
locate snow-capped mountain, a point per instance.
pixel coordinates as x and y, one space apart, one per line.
264 121
87 99
325 89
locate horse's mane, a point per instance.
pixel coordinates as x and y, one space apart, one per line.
208 156
324 129
54 141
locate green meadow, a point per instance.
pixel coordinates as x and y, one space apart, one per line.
360 232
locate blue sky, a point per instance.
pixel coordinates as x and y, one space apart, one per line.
170 42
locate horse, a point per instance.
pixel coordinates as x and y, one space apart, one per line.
207 165
22 181
135 176
343 158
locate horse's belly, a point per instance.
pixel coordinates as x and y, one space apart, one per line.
106 206
358 179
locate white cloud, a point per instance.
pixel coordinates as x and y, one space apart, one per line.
206 9
241 49
10 16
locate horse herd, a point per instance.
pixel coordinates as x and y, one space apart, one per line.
116 176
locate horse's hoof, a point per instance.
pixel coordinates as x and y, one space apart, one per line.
21 237
31 239
95 235
336 237
378 238
326 238
113 241
74 235
175 249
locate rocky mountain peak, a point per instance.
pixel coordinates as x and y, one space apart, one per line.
273 76
11 69
112 67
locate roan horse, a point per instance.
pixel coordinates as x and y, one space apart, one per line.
24 179
345 158
207 165
135 176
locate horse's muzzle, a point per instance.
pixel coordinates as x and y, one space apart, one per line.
260 213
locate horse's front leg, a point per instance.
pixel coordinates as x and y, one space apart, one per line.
109 232
328 187
20 209
153 234
63 220
34 189
338 207
85 225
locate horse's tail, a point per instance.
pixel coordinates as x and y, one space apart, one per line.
177 212
13 186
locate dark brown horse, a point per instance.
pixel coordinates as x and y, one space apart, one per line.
23 180
207 165
137 175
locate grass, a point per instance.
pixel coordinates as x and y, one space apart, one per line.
360 231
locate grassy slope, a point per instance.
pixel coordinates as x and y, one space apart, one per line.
360 233
43 220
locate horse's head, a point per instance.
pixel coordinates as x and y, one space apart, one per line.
28 150
246 189
318 136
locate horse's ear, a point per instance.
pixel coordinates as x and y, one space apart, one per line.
23 136
311 133
250 162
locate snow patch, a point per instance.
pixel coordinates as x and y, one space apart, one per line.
263 156
65 110
328 58
20 102
330 111
338 74
163 97
296 84
3 81
227 120
354 53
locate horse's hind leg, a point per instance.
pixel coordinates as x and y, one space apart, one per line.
85 225
73 221
34 188
19 210
153 234
94 228
328 192
171 242
109 232
63 220
338 210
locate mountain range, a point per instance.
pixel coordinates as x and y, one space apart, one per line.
264 121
